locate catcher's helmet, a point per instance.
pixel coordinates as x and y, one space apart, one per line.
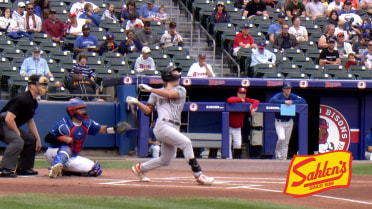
168 76
73 105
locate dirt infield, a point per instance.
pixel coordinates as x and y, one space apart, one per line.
247 179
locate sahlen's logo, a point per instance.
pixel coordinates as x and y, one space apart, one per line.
334 131
312 174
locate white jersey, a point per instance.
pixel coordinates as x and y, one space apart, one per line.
144 64
78 8
169 108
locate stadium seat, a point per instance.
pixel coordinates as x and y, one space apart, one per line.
25 44
302 60
10 53
176 50
344 75
273 75
361 72
50 46
286 68
298 75
260 69
39 38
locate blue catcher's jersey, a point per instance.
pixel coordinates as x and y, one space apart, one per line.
65 127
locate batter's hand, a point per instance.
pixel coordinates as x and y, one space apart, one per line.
131 100
144 87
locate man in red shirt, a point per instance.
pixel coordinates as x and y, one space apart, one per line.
236 120
54 27
243 40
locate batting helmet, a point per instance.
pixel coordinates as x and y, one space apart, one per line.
168 76
73 105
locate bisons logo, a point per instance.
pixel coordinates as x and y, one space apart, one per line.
334 132
312 174
193 107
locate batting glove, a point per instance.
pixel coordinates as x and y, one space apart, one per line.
131 100
144 87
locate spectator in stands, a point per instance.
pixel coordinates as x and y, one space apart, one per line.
261 55
130 45
285 40
7 24
134 22
295 8
54 27
148 11
341 29
365 5
131 8
90 15
154 144
343 48
171 38
32 22
360 47
17 15
269 3
368 150
161 16
82 67
146 36
108 45
35 65
40 5
78 7
297 30
329 56
243 40
74 25
255 7
333 17
315 9
350 15
77 83
110 13
144 62
86 42
350 61
201 69
366 58
282 4
329 32
335 5
276 28
44 15
240 4
219 15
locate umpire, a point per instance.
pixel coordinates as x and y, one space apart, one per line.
21 145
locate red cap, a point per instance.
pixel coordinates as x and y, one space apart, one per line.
242 90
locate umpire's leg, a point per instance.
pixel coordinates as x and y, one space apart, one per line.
13 149
27 156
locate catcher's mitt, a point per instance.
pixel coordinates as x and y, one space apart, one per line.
122 127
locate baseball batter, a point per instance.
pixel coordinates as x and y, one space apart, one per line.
284 124
67 138
169 102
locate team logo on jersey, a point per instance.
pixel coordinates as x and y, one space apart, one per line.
334 131
312 174
193 107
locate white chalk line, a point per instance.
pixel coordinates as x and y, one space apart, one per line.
233 184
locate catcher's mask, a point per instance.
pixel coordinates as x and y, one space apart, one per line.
168 76
73 105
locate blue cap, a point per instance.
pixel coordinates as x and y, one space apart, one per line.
366 35
262 45
110 36
245 25
287 85
366 26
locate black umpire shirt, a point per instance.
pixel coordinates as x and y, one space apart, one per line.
23 106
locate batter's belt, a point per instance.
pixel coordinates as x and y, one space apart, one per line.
177 123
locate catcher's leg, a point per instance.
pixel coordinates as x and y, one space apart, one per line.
62 157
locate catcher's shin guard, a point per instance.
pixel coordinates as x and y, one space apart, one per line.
62 156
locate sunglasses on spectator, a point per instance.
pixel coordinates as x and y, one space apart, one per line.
30 8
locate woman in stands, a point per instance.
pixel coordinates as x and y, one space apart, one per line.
7 24
131 8
297 30
333 18
329 32
219 14
130 45
40 5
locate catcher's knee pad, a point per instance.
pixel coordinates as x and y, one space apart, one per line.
96 170
62 156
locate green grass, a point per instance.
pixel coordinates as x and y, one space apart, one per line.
362 169
47 201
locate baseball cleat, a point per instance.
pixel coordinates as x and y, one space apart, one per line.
203 179
140 175
55 170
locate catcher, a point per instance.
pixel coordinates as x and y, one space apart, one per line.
67 138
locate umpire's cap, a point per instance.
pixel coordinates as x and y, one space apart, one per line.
168 76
